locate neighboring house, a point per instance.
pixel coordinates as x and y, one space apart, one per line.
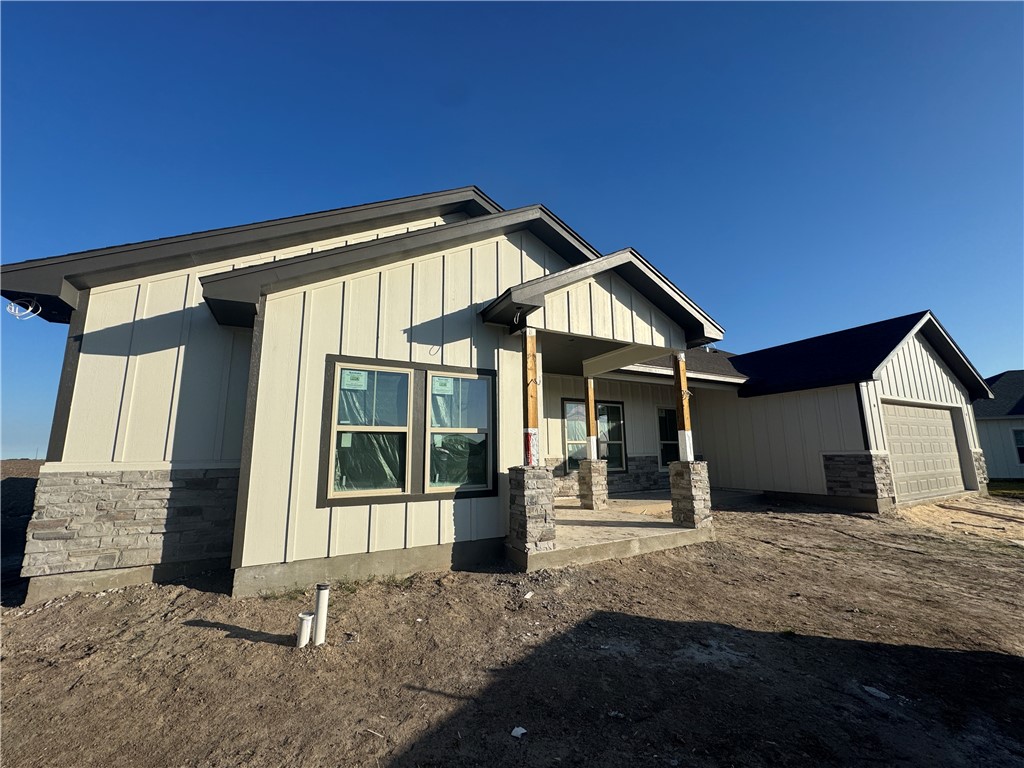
389 387
1001 425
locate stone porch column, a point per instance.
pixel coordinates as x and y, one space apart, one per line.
531 525
691 494
593 479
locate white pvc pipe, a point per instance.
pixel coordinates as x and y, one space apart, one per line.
323 591
305 627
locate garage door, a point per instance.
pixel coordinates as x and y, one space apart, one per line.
922 446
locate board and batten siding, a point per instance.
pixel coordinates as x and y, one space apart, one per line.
1000 450
423 310
916 374
607 307
774 442
641 401
158 379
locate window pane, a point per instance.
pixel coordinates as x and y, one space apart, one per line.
577 453
669 452
1018 437
667 425
459 403
458 459
609 423
372 398
612 453
369 461
575 422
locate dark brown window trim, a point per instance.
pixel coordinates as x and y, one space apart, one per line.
417 434
625 447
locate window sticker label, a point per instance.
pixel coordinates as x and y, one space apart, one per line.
443 385
353 379
346 439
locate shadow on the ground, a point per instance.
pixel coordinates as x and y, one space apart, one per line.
626 690
16 498
241 633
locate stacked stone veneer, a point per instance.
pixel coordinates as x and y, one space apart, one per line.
642 474
531 509
980 467
90 521
593 479
691 494
859 475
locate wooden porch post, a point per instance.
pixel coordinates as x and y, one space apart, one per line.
531 411
591 407
683 408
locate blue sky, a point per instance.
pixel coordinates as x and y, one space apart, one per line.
795 168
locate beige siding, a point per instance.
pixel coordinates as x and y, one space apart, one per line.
999 447
607 307
160 381
422 310
774 442
916 374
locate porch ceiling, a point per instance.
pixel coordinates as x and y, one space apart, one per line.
565 354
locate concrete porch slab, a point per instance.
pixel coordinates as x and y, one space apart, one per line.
628 527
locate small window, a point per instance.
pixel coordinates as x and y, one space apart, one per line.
1018 442
611 435
371 430
459 433
668 436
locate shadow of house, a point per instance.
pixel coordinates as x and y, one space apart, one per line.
16 499
626 690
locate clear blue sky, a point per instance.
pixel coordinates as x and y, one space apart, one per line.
795 168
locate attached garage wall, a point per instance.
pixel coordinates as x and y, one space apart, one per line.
774 442
916 376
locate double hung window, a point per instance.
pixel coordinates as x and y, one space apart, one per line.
611 434
410 431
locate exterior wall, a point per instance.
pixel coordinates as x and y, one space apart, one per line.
640 400
423 310
1000 451
158 379
607 307
775 442
87 521
916 375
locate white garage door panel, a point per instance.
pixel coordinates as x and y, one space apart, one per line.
922 447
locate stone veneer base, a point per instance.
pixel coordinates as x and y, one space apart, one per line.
100 520
643 473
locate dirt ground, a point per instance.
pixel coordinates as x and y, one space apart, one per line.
799 638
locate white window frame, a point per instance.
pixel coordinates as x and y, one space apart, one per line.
662 443
430 431
597 404
336 428
1013 438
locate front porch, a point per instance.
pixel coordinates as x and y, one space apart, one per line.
628 526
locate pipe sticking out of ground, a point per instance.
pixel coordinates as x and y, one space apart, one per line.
305 628
323 592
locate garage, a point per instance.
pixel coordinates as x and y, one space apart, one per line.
923 449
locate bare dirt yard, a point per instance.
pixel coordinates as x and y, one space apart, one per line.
799 638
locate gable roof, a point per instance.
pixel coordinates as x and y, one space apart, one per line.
843 357
518 301
1008 388
55 282
848 357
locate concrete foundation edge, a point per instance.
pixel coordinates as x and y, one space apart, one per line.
466 555
42 588
610 550
857 504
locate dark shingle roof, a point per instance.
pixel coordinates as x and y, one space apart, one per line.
843 357
701 360
1008 387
